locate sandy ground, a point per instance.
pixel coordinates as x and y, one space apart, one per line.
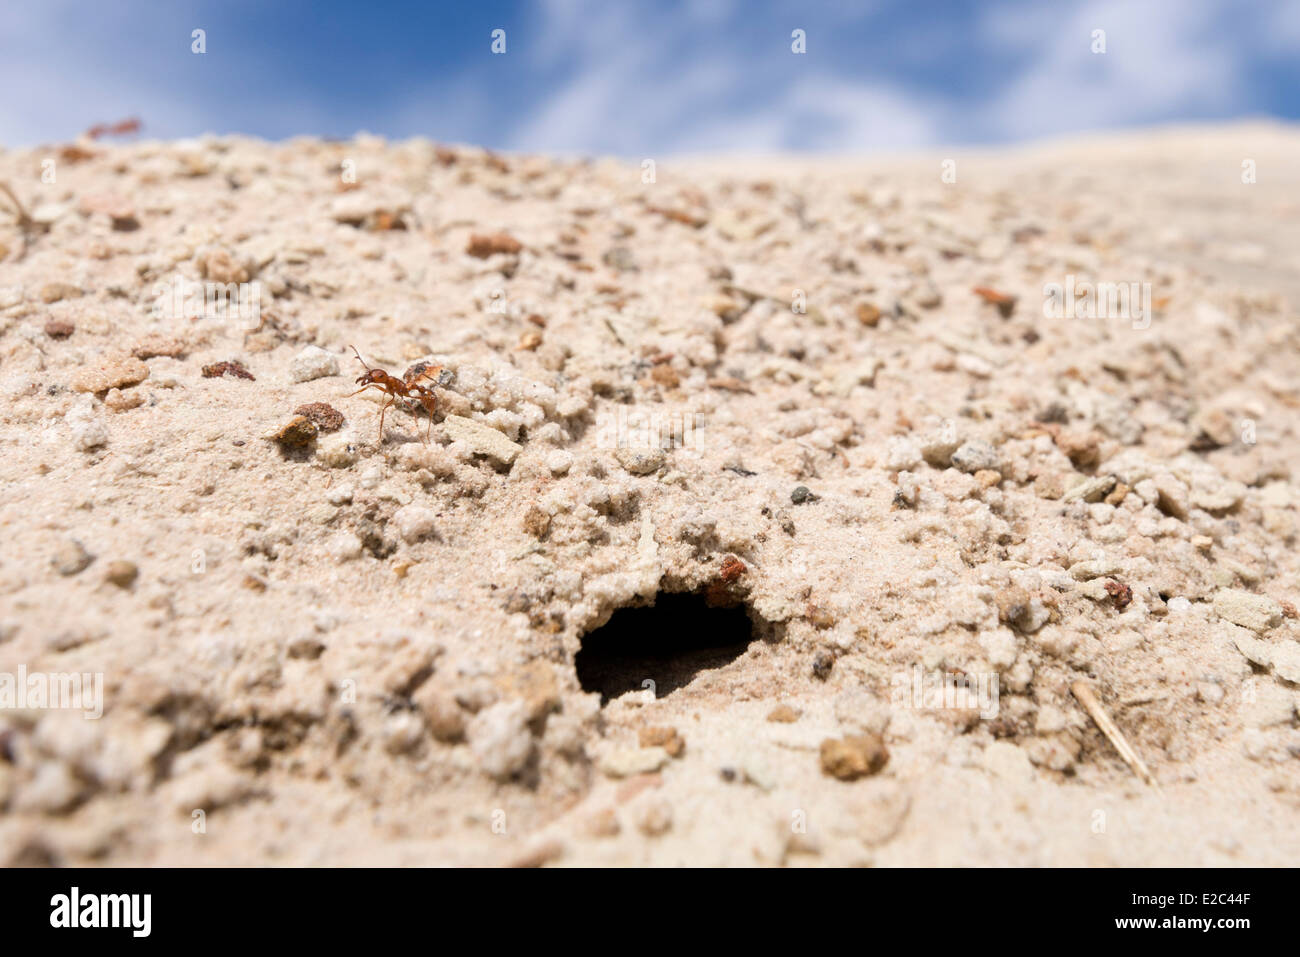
341 647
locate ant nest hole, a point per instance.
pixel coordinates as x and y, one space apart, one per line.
663 646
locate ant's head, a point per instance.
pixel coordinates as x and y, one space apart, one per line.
370 375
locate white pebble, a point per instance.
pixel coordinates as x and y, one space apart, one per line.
974 456
89 435
559 462
902 454
313 363
414 522
338 451
344 547
499 738
88 430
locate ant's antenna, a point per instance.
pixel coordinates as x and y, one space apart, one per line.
359 359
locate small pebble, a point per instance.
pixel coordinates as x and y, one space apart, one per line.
298 432
559 462
803 494
110 372
1172 497
1082 449
1097 568
929 296
818 616
120 401
499 738
481 439
1286 661
121 573
71 558
401 732
89 434
483 246
344 547
975 456
311 363
150 346
655 818
620 258
641 461
306 647
326 417
666 738
938 447
854 756
338 451
1259 613
822 665
322 514
537 521
231 368
1091 490
55 291
783 714
626 762
414 522
444 716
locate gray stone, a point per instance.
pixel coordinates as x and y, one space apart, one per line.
974 456
1259 613
481 439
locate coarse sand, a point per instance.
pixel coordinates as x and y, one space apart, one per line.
906 448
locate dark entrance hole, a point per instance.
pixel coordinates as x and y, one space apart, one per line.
669 643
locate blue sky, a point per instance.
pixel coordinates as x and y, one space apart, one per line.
646 78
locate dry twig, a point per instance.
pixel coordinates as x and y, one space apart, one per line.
25 223
1088 698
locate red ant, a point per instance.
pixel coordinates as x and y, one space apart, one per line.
122 128
407 387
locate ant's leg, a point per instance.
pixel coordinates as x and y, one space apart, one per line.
382 409
429 405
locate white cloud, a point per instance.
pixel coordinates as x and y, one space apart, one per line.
1162 57
642 80
638 79
822 113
